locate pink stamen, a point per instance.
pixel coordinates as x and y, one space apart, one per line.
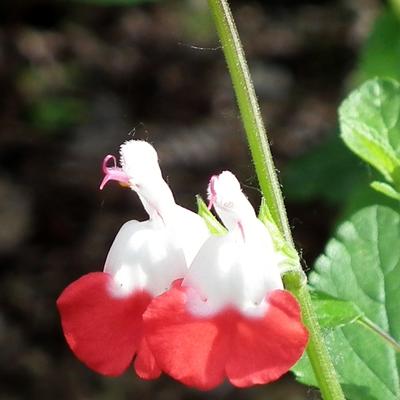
107 158
113 173
213 193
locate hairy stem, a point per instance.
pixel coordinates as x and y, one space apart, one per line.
317 352
266 173
250 112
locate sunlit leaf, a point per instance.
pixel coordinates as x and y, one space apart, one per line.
386 189
370 125
361 265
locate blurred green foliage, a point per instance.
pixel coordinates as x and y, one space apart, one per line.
381 53
306 177
52 114
329 171
197 23
115 2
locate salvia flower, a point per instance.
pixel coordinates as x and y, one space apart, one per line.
229 317
101 313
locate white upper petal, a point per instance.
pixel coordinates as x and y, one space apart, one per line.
229 271
228 200
190 231
139 160
240 268
145 256
152 254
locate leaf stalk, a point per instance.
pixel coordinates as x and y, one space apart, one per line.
367 323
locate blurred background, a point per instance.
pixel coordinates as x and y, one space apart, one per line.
77 78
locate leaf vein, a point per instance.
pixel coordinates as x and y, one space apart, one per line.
366 365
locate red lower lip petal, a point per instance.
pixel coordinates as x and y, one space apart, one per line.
102 330
201 351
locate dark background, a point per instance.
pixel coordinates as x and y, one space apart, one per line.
76 80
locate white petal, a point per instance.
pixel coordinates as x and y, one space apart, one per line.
229 201
145 256
139 161
230 271
191 232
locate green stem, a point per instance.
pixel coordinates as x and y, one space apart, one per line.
250 112
317 352
265 169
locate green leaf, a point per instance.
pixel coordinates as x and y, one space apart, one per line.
264 215
361 264
380 55
333 312
214 226
280 244
370 125
386 189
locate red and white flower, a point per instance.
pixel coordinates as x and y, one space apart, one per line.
101 313
229 317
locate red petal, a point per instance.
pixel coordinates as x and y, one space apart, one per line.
266 348
103 331
188 348
145 363
201 351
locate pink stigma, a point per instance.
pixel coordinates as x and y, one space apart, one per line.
213 193
113 173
